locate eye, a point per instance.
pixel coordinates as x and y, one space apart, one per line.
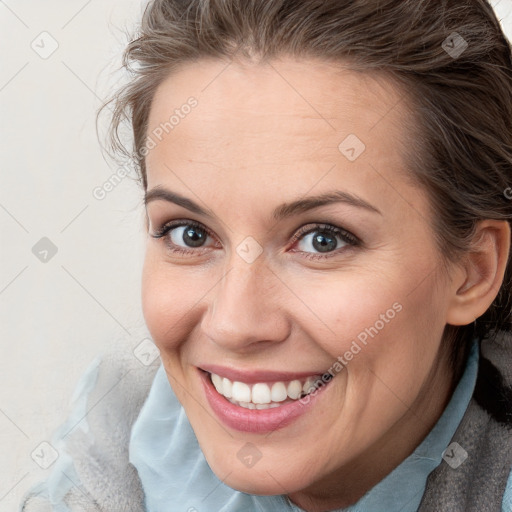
191 236
316 241
183 236
320 240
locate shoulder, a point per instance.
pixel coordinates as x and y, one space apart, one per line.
92 472
483 439
494 394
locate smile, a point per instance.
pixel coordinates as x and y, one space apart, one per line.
263 395
260 404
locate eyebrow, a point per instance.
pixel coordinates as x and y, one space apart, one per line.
283 211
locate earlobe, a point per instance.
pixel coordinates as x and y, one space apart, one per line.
480 276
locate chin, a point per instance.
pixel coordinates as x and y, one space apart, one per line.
264 478
260 483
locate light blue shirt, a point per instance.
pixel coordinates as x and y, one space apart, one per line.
174 472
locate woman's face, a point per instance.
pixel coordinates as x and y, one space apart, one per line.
295 251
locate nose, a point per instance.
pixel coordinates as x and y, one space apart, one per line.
246 307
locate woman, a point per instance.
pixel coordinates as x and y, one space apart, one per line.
327 272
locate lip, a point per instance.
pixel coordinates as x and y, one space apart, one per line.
255 420
254 376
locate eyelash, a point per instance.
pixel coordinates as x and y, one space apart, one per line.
347 237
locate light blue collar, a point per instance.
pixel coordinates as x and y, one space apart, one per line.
175 474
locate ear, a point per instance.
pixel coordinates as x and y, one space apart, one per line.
479 276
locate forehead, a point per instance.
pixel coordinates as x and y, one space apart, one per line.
323 94
286 122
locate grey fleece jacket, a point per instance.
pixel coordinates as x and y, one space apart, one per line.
105 481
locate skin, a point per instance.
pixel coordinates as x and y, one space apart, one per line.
262 135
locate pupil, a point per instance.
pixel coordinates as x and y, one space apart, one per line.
324 242
194 237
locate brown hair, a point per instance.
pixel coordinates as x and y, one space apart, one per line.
451 57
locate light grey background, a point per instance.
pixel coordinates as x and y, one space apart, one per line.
57 315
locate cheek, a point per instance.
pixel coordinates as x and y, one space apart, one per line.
393 345
351 306
167 302
373 318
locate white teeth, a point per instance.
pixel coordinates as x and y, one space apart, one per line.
227 388
278 393
294 389
241 392
247 405
309 386
217 382
261 394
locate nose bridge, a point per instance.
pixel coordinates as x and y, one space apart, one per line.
244 306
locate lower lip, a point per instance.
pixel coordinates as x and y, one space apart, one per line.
255 420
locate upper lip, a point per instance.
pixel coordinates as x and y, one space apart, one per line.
253 376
